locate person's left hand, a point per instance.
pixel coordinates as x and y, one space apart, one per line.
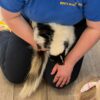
63 74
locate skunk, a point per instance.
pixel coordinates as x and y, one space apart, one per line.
58 39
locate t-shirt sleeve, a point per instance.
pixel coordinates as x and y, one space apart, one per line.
12 5
92 10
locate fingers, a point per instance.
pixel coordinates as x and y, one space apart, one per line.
37 49
56 78
63 82
44 49
54 70
59 81
68 80
35 46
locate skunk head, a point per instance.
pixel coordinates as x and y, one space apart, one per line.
54 37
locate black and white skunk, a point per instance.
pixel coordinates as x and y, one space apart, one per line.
58 39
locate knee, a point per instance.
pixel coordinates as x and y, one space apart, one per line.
15 74
14 78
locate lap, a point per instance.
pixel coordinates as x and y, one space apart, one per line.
15 58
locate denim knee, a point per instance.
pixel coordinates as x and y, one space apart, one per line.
16 59
13 78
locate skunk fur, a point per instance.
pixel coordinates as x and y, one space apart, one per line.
58 39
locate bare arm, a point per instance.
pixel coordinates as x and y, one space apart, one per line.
19 26
89 37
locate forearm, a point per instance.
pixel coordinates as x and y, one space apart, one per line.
87 40
19 26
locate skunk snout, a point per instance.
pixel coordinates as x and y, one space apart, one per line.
58 59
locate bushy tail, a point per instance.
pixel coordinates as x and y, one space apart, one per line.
32 76
37 81
34 80
35 65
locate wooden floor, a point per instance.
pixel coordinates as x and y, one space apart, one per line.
91 66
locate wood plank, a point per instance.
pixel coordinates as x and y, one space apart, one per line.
60 94
6 88
40 94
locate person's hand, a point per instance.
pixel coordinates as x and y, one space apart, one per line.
43 49
63 74
35 47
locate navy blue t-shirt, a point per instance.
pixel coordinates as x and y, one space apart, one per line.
68 12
